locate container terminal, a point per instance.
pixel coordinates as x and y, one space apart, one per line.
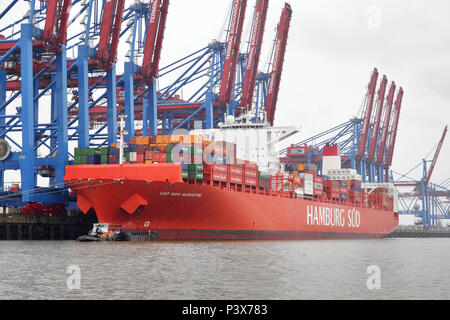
348 165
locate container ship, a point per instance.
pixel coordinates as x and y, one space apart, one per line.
227 183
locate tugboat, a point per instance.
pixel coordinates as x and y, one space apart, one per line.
104 232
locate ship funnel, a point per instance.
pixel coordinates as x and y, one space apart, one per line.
331 159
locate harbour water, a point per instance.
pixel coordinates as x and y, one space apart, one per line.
286 270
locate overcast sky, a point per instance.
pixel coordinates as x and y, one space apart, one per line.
332 49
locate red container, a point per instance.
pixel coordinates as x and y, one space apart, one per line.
148 155
216 167
250 181
163 157
236 179
250 165
140 148
156 156
235 170
140 158
217 176
251 173
264 184
112 158
296 151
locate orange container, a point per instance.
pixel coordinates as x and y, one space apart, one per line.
160 139
175 138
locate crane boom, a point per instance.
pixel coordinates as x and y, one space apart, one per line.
154 38
110 30
56 20
386 122
367 115
254 52
278 60
393 133
232 52
436 155
376 124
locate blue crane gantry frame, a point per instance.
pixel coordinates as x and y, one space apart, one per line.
434 197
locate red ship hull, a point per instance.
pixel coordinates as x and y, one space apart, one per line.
176 210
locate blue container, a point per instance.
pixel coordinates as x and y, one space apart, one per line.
185 166
90 159
220 159
131 147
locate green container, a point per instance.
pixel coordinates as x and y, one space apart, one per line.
76 160
196 167
185 174
169 148
104 151
80 160
81 151
169 157
126 156
196 150
104 159
198 175
264 176
97 152
91 151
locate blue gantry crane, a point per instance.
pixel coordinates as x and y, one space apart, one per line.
422 198
59 86
366 142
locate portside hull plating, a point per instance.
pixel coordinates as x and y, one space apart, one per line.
181 211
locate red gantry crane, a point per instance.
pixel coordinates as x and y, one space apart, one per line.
386 122
393 132
367 115
232 52
110 31
254 52
377 119
57 17
278 60
154 39
436 155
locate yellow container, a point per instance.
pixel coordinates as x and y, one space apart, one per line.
197 139
301 167
175 138
148 161
186 139
160 139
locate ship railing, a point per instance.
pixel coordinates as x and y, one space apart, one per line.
364 203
